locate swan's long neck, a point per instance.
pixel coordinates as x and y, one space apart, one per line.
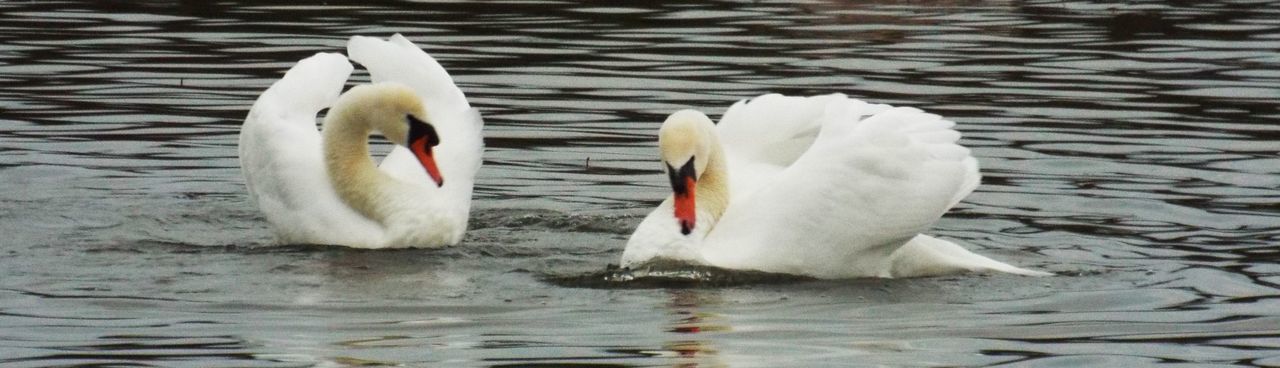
351 169
713 184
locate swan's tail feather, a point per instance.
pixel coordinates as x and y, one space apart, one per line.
1022 271
311 85
972 178
928 256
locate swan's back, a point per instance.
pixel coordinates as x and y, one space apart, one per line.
871 178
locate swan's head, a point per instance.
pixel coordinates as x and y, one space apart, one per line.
685 142
396 110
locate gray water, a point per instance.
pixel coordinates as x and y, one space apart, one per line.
1133 148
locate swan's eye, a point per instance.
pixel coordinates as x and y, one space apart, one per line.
419 129
681 178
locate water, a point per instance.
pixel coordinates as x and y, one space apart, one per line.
1131 148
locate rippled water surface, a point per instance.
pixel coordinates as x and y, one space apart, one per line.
1133 148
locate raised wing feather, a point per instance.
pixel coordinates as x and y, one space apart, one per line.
399 60
461 141
873 178
280 132
764 135
772 128
281 158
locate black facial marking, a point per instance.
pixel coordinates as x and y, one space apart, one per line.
419 129
678 183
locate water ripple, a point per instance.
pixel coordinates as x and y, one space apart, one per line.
1129 147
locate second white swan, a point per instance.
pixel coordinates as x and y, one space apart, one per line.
826 186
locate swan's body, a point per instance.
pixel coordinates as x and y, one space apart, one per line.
825 186
322 187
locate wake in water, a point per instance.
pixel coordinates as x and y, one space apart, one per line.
665 273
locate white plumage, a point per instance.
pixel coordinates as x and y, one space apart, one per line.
282 155
823 186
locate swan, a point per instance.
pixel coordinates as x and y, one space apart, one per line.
323 187
824 186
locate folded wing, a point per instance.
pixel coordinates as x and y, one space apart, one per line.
873 177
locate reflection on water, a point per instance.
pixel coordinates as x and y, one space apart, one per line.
691 349
1130 146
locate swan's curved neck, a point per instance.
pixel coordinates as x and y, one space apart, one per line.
713 184
351 169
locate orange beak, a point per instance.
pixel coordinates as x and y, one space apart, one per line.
422 137
421 148
684 185
686 207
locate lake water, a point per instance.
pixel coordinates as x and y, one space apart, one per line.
1133 148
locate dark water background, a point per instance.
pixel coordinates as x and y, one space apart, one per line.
1132 147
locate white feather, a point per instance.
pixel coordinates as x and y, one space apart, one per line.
282 161
829 187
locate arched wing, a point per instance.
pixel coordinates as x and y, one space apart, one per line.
281 156
461 146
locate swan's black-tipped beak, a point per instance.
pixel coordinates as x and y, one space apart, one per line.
684 187
422 138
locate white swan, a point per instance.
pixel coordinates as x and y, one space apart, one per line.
825 186
323 187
